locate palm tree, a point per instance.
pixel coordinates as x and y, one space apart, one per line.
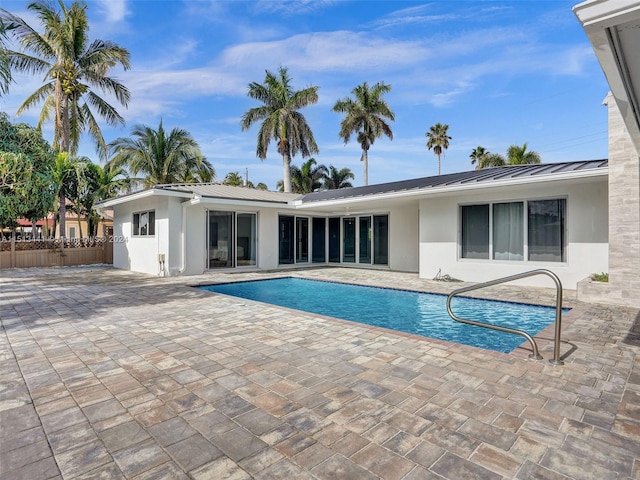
282 121
160 157
478 155
438 139
338 178
234 179
365 115
491 160
66 173
74 69
5 69
311 176
262 186
518 155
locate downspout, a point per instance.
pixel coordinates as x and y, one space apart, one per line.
183 239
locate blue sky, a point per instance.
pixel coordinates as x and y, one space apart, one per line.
499 73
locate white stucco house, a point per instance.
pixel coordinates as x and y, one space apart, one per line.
474 225
574 218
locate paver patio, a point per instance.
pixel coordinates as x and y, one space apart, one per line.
110 374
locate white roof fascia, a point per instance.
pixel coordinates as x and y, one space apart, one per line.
599 18
421 192
242 203
143 194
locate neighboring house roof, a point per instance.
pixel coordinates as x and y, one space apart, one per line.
463 179
516 174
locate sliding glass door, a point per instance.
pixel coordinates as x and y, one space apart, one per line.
232 239
221 238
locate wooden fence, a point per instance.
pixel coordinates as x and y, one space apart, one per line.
55 252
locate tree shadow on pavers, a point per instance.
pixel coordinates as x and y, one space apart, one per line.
633 335
43 296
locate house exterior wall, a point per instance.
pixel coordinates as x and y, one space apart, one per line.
140 253
404 225
623 287
586 224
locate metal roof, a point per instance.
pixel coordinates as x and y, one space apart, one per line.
214 190
472 177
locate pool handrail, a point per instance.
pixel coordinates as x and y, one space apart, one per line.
535 354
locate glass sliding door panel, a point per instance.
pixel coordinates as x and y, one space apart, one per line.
246 243
302 240
364 255
381 239
349 240
285 239
334 240
318 240
221 250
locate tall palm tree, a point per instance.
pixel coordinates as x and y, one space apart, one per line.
338 178
365 115
478 155
281 119
74 69
161 157
518 155
438 139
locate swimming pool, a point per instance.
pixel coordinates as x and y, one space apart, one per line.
412 312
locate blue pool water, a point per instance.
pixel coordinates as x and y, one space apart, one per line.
412 312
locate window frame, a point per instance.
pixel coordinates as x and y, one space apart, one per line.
136 227
525 231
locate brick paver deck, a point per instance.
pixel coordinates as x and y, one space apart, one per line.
109 374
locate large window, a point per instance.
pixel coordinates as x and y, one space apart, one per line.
286 239
144 223
475 231
508 231
497 231
381 239
547 230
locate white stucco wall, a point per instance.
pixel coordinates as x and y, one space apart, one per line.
404 224
587 236
139 253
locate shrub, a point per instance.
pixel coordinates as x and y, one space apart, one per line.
600 277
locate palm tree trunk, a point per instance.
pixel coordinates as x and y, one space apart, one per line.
438 164
62 213
79 227
286 172
365 160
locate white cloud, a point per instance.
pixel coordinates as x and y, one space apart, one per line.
115 11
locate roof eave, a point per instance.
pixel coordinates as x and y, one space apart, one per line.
600 19
132 197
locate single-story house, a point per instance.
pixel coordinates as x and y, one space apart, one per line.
574 218
475 225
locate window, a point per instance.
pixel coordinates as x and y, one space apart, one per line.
497 231
475 231
508 231
547 230
144 223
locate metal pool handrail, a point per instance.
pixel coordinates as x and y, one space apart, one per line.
556 347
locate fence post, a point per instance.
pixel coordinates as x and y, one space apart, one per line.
12 257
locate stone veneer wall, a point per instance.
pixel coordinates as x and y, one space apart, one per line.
624 220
